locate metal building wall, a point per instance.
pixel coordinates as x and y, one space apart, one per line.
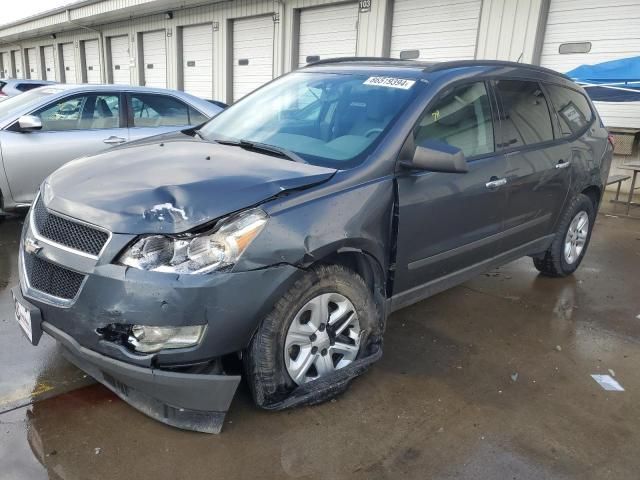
511 30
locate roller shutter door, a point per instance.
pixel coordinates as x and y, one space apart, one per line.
439 29
68 66
49 63
197 60
120 59
6 65
612 30
17 64
252 54
154 58
327 32
91 61
32 62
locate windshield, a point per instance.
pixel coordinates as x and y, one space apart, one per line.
25 100
326 119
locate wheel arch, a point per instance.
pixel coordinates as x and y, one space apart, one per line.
594 193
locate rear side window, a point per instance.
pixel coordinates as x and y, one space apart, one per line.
525 118
460 118
574 112
158 111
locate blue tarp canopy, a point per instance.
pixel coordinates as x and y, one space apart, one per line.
614 81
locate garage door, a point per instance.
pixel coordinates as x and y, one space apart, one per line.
120 59
68 65
252 54
91 61
32 62
596 31
6 65
327 32
49 63
438 30
154 58
197 60
17 63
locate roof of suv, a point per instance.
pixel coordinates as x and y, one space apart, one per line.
427 67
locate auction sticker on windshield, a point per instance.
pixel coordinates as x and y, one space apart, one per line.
390 82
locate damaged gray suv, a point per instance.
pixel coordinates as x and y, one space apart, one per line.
276 239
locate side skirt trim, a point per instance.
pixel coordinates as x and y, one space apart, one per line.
438 285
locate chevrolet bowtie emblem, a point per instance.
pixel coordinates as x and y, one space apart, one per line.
32 246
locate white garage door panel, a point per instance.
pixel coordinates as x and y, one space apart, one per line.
440 30
92 61
120 60
197 60
17 62
154 55
612 29
49 63
252 41
6 69
69 63
32 61
328 32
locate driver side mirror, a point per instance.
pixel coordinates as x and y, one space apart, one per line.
29 123
436 156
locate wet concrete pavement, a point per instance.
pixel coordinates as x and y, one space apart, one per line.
487 380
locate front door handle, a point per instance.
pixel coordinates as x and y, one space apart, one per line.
114 140
563 164
496 183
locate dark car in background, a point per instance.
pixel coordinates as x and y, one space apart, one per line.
285 230
12 87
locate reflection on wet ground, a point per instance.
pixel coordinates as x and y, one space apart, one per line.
488 380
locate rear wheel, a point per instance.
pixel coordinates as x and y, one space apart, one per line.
571 241
319 326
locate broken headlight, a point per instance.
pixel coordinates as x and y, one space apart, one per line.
199 253
148 339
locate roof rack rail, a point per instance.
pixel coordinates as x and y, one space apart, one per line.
354 59
487 63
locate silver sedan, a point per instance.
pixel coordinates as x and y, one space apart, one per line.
47 127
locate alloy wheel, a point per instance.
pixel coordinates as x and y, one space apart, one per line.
324 336
576 237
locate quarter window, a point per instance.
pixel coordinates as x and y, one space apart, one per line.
158 111
525 118
574 112
461 118
84 112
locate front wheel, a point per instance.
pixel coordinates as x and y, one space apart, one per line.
321 325
571 240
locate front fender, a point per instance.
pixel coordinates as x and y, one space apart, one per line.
314 225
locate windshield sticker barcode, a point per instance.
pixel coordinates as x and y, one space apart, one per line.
390 82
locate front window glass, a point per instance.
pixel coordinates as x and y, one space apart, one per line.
460 118
83 112
525 118
327 119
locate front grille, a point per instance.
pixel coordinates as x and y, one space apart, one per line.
67 232
50 278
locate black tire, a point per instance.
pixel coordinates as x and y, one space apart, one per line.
264 361
553 262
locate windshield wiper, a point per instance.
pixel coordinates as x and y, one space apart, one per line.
263 147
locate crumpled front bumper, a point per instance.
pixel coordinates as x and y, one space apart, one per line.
189 401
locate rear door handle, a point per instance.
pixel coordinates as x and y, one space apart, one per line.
496 183
563 164
114 140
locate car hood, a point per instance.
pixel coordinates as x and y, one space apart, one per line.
171 184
